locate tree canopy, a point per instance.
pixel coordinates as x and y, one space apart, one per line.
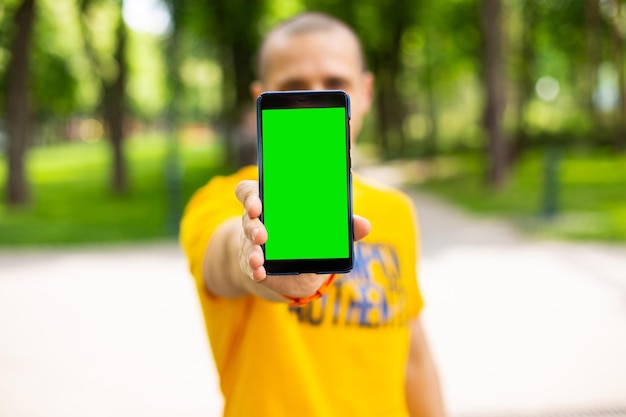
559 67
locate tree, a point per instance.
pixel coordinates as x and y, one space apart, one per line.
114 106
430 147
233 28
381 34
172 168
112 75
495 85
592 14
618 32
386 56
17 107
525 74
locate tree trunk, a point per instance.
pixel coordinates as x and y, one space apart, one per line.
382 119
592 14
237 37
17 105
391 109
241 51
114 98
113 94
494 82
620 119
390 113
430 147
173 175
525 81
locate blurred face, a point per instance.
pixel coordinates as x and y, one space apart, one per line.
319 60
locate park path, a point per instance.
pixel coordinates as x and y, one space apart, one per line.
518 327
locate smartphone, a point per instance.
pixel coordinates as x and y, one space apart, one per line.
305 181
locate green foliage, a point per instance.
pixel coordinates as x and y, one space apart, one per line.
147 75
278 10
437 79
61 82
591 195
73 204
54 88
7 12
426 55
101 21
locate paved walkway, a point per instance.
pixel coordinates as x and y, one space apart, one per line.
102 332
518 327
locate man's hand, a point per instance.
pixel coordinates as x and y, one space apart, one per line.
254 235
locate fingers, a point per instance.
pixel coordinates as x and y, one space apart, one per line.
256 260
247 193
254 230
362 227
254 233
251 259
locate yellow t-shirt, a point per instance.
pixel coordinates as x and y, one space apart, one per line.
341 355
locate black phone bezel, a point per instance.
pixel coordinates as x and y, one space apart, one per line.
307 99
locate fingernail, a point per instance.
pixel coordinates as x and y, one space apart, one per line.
253 234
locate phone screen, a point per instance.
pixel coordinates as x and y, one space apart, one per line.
305 186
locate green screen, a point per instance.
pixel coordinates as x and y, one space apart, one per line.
305 190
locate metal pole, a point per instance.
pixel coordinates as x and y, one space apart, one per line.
551 182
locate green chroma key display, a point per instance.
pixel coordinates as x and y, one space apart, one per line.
304 162
305 187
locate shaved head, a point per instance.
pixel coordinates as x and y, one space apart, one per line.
313 51
303 24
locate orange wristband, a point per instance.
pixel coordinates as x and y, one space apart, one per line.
295 301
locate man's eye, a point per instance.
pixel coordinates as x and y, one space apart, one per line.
294 85
336 84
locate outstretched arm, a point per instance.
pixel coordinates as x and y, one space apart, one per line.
233 261
423 392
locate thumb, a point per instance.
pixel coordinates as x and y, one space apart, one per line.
362 227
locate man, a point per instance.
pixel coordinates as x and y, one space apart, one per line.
280 347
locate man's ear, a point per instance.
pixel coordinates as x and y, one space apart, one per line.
256 88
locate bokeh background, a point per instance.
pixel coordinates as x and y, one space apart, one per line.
512 107
504 119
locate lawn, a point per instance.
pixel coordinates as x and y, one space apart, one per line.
73 204
591 193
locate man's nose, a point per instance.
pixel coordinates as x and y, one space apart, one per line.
317 85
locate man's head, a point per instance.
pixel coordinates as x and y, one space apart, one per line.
313 51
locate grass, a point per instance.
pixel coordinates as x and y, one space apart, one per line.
73 203
591 196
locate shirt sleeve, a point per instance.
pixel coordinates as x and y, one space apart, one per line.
207 209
